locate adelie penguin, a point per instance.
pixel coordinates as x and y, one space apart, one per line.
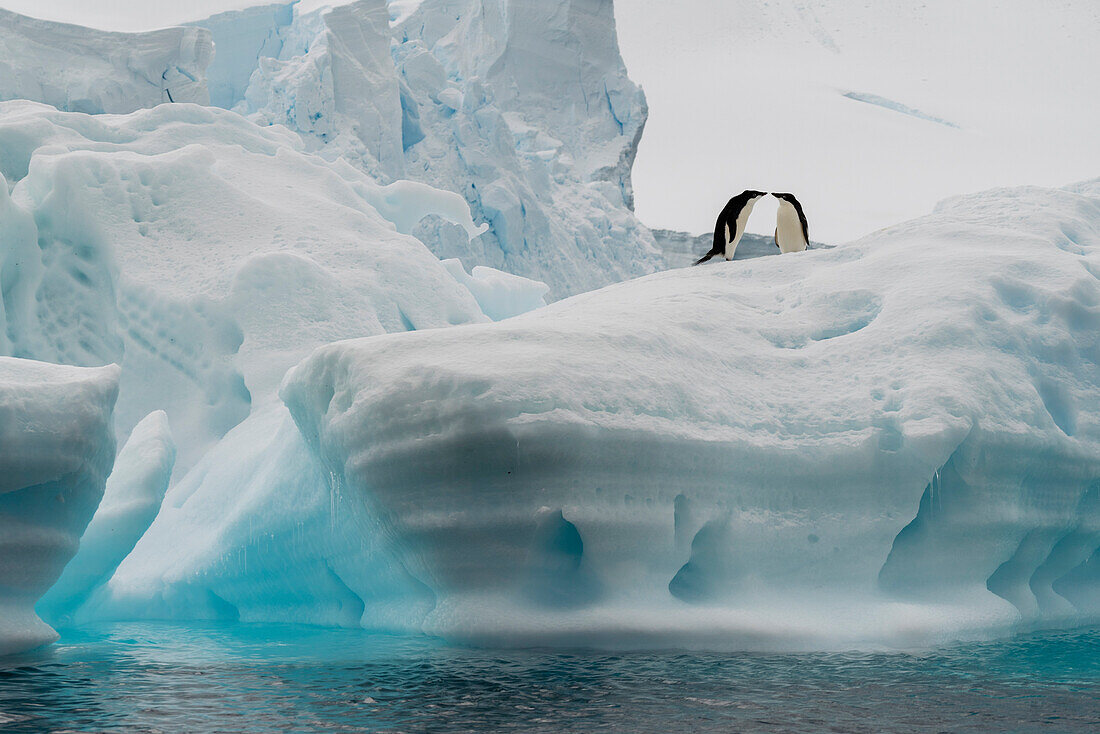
792 233
731 224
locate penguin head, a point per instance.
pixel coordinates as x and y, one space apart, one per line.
752 194
789 198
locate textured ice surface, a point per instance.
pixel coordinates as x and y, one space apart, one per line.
131 500
56 449
893 440
203 253
85 70
524 109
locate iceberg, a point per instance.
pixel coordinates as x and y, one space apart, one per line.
56 449
894 441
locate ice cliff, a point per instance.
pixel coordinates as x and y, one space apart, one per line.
84 70
56 449
524 108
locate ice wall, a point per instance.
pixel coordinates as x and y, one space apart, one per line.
84 70
204 254
524 109
56 449
895 441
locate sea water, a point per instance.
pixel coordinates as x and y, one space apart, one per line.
261 678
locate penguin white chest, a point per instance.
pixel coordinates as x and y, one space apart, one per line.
738 229
788 229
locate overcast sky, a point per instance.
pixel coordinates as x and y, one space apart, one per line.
745 94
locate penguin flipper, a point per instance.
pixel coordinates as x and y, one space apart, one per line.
775 237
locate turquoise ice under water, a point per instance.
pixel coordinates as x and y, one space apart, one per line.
153 677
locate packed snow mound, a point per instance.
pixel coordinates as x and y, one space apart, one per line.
131 500
524 109
681 249
896 440
204 254
500 295
56 449
84 70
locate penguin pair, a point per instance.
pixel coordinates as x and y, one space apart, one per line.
792 233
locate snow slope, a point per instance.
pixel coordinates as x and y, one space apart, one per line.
204 254
869 111
896 440
56 449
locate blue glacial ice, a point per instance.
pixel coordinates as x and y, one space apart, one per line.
131 501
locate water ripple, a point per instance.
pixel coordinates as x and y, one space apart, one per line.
250 678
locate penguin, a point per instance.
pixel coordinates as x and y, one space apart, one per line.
731 224
792 233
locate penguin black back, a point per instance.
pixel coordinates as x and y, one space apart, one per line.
728 217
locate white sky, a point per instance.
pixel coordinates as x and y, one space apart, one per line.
749 94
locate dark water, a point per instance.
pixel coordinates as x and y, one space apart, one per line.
148 677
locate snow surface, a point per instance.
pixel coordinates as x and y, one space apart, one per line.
894 441
204 254
56 449
131 501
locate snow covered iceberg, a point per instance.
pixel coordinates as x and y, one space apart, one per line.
204 254
896 440
56 449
